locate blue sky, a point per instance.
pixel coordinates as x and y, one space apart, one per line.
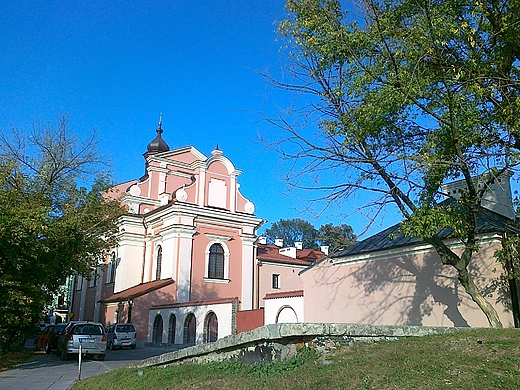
115 65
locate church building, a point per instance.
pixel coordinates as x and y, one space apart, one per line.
185 260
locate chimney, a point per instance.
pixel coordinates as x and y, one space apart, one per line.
262 240
298 245
290 252
279 242
325 249
497 197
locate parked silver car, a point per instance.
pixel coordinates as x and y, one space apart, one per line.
90 335
121 335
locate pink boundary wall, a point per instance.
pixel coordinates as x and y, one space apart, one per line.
414 289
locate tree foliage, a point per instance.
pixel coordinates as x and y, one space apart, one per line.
50 226
336 237
417 94
297 230
293 230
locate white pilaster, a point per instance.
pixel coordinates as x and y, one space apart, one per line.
184 264
247 272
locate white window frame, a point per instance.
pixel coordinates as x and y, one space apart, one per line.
93 278
226 262
111 268
155 257
278 280
79 284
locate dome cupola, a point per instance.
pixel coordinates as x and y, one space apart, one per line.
158 145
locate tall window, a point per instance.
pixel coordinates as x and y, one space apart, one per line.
276 281
79 283
216 262
159 263
111 271
93 278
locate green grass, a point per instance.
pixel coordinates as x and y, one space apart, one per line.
466 359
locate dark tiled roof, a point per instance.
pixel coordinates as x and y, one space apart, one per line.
137 291
488 222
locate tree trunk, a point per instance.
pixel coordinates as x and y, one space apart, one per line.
471 288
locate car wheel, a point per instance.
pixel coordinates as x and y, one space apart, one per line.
48 348
133 347
101 357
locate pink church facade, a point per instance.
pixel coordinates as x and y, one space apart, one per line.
185 260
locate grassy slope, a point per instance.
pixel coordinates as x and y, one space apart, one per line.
468 359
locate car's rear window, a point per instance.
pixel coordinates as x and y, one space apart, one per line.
125 328
88 329
60 327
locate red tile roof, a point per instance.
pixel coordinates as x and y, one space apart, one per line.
137 291
284 294
270 252
310 254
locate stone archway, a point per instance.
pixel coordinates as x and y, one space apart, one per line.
286 314
157 330
190 330
210 328
171 329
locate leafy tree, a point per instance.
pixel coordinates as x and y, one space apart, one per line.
336 237
415 95
298 230
293 230
50 227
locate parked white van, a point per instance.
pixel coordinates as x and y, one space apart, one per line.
121 335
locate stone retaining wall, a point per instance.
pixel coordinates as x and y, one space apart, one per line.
277 341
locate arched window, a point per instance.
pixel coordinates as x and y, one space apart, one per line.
210 328
159 263
216 262
157 330
113 268
190 330
171 329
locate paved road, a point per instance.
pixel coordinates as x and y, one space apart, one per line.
47 372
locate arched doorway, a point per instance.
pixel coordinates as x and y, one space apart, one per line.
210 328
190 330
286 314
171 329
157 330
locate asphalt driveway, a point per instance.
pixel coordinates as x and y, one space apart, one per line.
48 372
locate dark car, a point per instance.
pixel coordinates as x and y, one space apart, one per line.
48 339
90 336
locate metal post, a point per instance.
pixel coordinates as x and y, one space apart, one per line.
79 362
